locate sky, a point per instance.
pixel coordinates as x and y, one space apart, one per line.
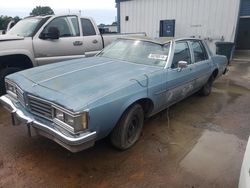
103 11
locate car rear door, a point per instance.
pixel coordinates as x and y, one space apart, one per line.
68 46
92 40
180 82
203 64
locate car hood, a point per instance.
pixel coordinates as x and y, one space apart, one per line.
7 37
84 80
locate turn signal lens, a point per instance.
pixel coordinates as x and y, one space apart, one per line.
85 119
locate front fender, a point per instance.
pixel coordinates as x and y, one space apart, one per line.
19 52
107 111
18 47
131 101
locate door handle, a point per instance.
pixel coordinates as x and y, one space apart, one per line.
95 41
77 43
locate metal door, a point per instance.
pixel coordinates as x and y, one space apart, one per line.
93 42
167 28
68 46
203 65
180 82
243 38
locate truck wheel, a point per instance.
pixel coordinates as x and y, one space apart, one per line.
128 130
207 88
3 74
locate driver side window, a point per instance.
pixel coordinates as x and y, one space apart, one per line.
67 26
181 53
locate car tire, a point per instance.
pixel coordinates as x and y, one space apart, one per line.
128 130
3 73
207 88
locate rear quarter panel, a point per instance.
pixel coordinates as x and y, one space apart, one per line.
220 62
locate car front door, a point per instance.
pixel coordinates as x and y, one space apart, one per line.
203 64
68 46
180 81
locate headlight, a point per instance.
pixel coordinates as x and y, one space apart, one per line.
59 115
73 123
10 88
69 120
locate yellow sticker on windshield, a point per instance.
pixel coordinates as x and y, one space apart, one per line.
158 56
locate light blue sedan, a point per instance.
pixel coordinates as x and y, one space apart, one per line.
77 102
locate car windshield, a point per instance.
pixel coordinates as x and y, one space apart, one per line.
25 27
136 51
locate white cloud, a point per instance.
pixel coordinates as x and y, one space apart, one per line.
59 4
103 11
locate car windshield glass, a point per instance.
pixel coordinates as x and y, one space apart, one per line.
25 27
136 51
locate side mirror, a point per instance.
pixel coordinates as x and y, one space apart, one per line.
53 33
182 65
101 30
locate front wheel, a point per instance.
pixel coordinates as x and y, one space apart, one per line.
3 73
128 130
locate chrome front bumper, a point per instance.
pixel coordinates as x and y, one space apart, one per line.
73 143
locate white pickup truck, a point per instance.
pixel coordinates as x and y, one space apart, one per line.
41 40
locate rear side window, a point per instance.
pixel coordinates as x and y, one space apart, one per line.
87 27
181 53
199 51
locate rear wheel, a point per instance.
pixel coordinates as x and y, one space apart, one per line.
128 130
207 88
3 73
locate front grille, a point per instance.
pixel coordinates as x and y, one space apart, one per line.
40 107
19 95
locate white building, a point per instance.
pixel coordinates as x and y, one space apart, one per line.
109 28
112 28
213 20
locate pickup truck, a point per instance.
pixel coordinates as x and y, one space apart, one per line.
47 39
77 102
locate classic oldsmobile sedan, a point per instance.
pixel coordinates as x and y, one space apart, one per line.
77 102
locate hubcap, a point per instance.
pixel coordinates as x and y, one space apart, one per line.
133 129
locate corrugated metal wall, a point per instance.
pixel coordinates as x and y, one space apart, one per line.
200 18
245 8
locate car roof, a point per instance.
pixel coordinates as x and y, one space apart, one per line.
50 15
159 40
